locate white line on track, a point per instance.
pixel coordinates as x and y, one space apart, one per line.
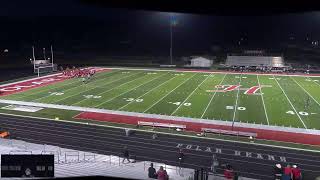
305 91
290 103
168 93
149 91
101 86
190 95
264 106
151 131
129 90
212 97
236 106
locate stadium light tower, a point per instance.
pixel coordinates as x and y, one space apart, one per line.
173 22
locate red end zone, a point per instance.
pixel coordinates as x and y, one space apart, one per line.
190 126
20 86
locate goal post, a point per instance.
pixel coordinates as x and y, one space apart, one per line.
44 64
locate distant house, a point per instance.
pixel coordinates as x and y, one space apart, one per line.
199 62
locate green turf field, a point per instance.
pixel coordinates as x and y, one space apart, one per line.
290 101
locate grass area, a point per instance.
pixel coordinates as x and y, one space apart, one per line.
68 116
289 101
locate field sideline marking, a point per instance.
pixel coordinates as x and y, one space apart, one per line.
264 106
129 90
236 106
213 72
148 91
190 95
67 90
104 85
305 91
290 103
151 131
212 97
169 93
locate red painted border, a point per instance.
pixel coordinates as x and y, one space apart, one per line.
194 126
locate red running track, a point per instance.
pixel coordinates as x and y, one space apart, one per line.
196 127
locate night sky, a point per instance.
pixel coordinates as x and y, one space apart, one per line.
71 24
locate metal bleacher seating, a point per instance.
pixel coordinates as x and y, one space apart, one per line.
269 61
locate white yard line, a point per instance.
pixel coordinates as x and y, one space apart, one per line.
190 95
305 91
290 103
236 106
148 91
264 106
104 85
168 94
314 81
212 97
129 90
67 90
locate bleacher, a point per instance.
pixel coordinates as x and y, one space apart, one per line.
268 61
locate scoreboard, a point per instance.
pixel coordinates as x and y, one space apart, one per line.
27 165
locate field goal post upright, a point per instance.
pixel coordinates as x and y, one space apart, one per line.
44 64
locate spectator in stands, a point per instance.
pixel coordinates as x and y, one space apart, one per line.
277 172
228 172
126 154
296 173
152 172
162 174
287 173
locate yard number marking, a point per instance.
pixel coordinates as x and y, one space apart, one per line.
178 103
91 96
133 99
301 113
239 108
56 93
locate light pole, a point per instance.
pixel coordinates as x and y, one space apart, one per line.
171 23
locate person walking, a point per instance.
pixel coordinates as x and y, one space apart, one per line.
126 154
152 172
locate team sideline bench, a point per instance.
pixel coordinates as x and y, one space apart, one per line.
227 132
163 125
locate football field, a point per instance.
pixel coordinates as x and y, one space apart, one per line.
290 101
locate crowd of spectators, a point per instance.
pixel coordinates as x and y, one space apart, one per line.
287 173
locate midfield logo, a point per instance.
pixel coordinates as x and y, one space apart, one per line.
227 88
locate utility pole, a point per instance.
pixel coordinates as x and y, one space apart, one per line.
171 24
